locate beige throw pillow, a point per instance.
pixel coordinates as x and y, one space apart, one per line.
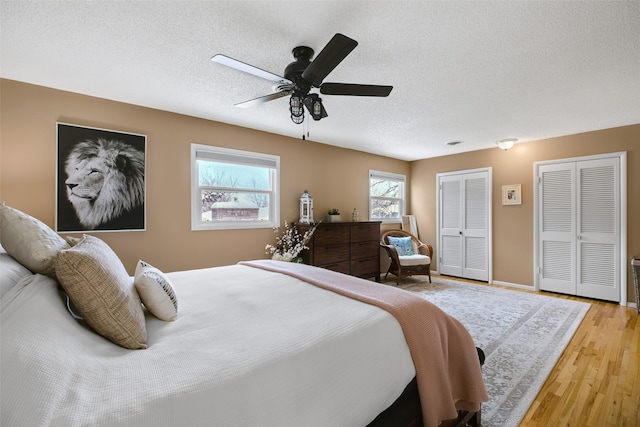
103 293
156 292
30 241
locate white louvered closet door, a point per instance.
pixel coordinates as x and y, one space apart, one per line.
464 225
450 260
475 226
579 223
557 228
598 251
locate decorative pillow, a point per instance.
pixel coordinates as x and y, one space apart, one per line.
11 271
156 292
30 241
72 240
403 245
103 293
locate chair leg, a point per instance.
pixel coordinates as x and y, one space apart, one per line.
429 273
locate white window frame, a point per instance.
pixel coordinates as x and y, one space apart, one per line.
403 199
232 156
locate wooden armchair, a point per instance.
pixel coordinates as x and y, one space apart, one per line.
405 261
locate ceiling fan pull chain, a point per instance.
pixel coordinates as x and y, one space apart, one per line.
305 130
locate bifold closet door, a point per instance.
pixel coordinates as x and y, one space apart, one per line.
557 227
450 245
598 248
579 223
464 224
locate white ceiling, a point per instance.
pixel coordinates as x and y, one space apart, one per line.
475 71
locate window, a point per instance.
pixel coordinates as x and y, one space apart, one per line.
386 196
233 189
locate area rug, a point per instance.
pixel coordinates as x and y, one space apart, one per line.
522 334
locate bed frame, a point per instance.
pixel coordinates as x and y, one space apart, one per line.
406 410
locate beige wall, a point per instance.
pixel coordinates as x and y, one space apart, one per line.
513 225
335 177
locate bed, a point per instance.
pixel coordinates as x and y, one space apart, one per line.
260 343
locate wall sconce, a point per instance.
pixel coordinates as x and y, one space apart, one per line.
306 208
505 144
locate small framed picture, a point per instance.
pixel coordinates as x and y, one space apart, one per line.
511 195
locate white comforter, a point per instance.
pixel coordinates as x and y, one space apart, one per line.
249 348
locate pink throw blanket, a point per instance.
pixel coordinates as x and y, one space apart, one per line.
447 368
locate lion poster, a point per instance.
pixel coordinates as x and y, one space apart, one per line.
100 183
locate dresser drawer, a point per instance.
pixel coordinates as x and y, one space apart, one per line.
364 231
337 234
340 267
365 267
330 254
368 249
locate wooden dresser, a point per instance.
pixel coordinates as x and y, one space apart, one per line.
347 247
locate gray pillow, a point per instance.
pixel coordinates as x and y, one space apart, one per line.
30 241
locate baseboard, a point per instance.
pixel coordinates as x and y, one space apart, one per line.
512 285
497 282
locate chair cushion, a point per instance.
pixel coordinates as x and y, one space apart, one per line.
402 244
411 260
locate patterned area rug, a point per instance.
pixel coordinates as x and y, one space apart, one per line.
522 334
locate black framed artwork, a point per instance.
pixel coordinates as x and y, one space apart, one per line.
100 180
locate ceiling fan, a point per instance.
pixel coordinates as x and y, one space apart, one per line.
303 74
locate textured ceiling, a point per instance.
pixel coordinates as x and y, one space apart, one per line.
474 72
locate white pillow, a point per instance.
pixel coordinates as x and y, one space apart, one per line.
156 292
11 271
30 241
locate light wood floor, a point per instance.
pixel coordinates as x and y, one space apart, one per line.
596 382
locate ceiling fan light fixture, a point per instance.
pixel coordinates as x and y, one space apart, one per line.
314 104
505 144
317 108
297 109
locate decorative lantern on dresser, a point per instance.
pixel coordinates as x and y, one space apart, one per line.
306 208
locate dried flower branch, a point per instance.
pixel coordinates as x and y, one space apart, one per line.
290 243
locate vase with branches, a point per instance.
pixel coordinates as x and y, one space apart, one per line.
289 243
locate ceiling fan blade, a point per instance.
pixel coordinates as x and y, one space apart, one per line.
263 99
331 55
354 89
241 66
